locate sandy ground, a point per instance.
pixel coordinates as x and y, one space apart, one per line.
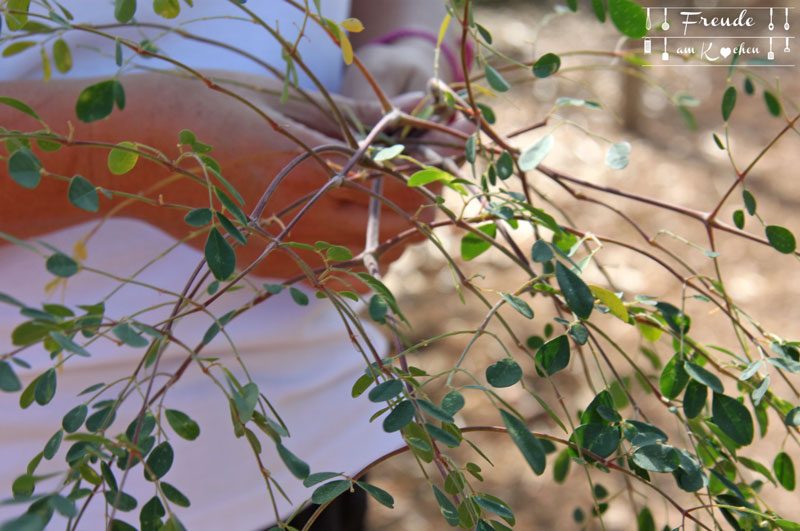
668 162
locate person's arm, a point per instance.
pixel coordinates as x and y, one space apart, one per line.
250 152
407 62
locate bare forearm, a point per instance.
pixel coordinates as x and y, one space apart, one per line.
383 16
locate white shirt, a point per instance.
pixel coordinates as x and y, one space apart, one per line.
299 357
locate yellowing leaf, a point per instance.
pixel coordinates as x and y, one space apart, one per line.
347 48
352 25
613 302
80 250
52 285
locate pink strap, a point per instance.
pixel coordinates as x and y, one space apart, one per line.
449 55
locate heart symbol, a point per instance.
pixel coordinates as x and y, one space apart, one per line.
725 52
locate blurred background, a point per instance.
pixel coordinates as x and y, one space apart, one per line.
669 161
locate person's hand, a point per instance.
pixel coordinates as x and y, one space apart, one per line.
399 67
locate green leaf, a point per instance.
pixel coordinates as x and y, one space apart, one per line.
125 503
64 506
784 470
298 296
61 265
453 402
101 419
642 434
718 142
383 291
535 154
773 105
8 379
518 304
657 458
781 239
528 444
590 415
470 149
167 8
700 375
553 356
19 105
121 161
74 418
45 387
546 66
599 439
96 101
231 229
68 345
673 378
793 417
444 437
23 167
749 202
759 392
612 302
213 330
694 399
124 11
183 425
473 246
733 419
378 309
561 466
504 373
487 113
645 521
617 155
17 47
219 255
738 219
447 508
688 117
577 294
756 467
26 522
749 88
500 509
599 10
388 153
231 206
385 391
62 56
174 495
129 336
319 477
159 461
380 495
541 252
728 103
496 80
296 466
198 217
629 18
505 166
245 401
328 491
338 253
151 514
399 417
83 194
429 175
